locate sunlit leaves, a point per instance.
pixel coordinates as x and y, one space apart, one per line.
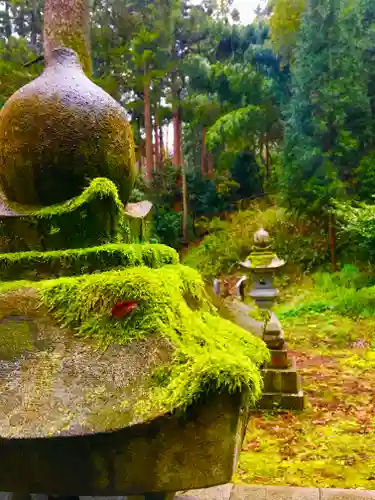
285 23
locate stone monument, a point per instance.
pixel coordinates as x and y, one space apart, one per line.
107 383
282 383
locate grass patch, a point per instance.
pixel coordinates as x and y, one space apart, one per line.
210 353
347 293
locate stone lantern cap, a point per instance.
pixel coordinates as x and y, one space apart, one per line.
262 256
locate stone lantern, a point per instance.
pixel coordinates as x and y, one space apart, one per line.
282 383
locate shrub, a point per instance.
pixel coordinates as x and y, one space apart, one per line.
301 241
348 293
357 224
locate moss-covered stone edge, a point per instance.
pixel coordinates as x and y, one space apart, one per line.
211 354
95 217
100 187
40 265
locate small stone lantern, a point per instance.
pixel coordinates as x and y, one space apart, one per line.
282 383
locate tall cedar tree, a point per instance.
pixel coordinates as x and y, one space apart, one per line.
328 118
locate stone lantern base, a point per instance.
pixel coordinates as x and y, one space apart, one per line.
282 383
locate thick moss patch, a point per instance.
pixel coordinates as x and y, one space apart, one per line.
39 265
93 218
210 353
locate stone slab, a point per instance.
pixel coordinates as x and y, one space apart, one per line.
286 493
280 401
222 492
341 494
244 492
279 359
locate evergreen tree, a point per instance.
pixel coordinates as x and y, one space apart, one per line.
329 115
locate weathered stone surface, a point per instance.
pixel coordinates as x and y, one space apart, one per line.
67 424
222 492
68 131
340 494
165 454
274 339
282 493
244 492
279 358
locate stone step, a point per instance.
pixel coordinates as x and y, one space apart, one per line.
287 381
278 400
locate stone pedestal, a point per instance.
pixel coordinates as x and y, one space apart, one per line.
282 383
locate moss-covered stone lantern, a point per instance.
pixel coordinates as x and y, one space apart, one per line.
263 263
282 382
118 375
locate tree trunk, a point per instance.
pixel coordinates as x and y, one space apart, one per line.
177 136
66 24
203 153
157 140
148 131
210 168
185 215
8 22
332 241
176 123
161 142
268 169
34 27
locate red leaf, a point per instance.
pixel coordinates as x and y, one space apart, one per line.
121 309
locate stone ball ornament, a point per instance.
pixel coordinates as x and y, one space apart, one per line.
262 237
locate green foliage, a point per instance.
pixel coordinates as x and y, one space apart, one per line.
357 222
347 293
285 23
301 241
41 265
90 219
242 124
209 195
365 178
210 353
13 55
329 113
168 226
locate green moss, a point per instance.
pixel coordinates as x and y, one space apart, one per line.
260 259
211 353
40 265
15 339
94 217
